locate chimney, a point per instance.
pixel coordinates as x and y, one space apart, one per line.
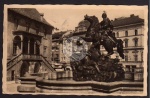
41 16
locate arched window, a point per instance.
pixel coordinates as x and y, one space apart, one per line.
126 42
14 48
136 32
126 58
17 45
135 41
117 34
126 33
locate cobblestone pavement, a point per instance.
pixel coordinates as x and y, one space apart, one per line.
12 87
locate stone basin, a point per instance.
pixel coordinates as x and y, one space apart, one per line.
46 86
28 80
28 83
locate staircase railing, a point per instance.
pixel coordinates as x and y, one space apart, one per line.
46 62
31 57
21 56
13 61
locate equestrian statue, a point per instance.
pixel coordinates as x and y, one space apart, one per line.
95 65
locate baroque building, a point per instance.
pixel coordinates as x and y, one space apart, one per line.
29 38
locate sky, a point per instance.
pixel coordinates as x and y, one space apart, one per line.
67 17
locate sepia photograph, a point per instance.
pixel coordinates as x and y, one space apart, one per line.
98 50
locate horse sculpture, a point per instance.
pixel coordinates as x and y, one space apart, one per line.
96 35
96 66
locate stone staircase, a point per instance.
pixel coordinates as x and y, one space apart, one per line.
21 57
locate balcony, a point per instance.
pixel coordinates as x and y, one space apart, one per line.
31 57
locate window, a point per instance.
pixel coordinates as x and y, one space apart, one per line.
126 43
44 50
12 74
136 57
141 55
15 48
16 23
135 41
133 68
126 58
130 68
16 45
126 33
117 34
127 68
136 32
56 55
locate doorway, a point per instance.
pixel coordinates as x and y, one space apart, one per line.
13 75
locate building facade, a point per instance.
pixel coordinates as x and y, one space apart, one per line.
57 47
29 38
131 31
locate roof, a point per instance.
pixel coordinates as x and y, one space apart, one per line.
127 21
57 35
31 13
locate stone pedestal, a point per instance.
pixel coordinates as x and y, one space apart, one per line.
27 84
104 70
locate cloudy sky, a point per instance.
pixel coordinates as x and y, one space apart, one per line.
67 17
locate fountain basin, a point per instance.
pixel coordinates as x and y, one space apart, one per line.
46 86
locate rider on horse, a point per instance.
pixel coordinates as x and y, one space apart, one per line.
107 28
